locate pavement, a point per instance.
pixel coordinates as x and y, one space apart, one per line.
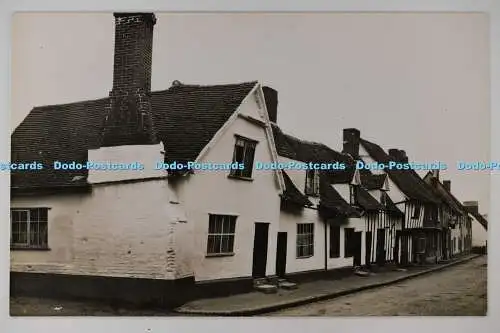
255 303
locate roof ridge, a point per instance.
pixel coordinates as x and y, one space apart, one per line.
68 104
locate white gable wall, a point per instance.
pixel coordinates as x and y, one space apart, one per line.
252 201
479 234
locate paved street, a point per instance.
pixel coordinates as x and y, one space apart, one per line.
456 291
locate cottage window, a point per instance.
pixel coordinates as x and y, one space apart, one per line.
244 152
334 242
305 240
312 182
29 228
348 242
416 211
221 230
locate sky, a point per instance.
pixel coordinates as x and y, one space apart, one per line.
412 81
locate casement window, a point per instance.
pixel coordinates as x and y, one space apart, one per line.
334 242
305 240
348 242
221 230
29 228
244 152
416 210
312 183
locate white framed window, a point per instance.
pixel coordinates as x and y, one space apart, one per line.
312 182
221 231
305 240
29 228
244 153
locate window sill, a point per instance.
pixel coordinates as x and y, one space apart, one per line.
27 248
248 179
217 255
306 257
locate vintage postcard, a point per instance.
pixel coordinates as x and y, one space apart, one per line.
249 164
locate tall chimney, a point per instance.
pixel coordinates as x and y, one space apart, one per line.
398 155
447 185
129 119
351 142
403 157
271 97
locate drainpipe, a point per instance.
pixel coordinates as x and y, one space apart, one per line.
326 245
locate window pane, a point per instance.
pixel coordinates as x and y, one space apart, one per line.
231 243
225 244
211 224
218 224
34 214
232 225
43 215
33 226
249 156
238 154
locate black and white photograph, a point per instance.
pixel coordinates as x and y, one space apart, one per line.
260 164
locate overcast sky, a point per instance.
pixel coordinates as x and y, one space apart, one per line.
418 82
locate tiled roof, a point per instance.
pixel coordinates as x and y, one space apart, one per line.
308 151
444 194
333 201
186 117
366 201
390 206
371 181
408 181
481 220
293 194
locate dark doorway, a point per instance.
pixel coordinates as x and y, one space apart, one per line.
260 243
380 246
357 248
281 254
396 247
368 248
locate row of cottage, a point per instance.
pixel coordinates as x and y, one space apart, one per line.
170 235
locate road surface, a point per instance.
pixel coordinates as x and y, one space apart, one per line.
456 291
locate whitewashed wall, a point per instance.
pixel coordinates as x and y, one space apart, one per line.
252 201
123 230
479 234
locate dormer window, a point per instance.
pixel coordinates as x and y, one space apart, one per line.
312 183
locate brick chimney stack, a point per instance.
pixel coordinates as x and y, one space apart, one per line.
271 97
129 119
352 137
